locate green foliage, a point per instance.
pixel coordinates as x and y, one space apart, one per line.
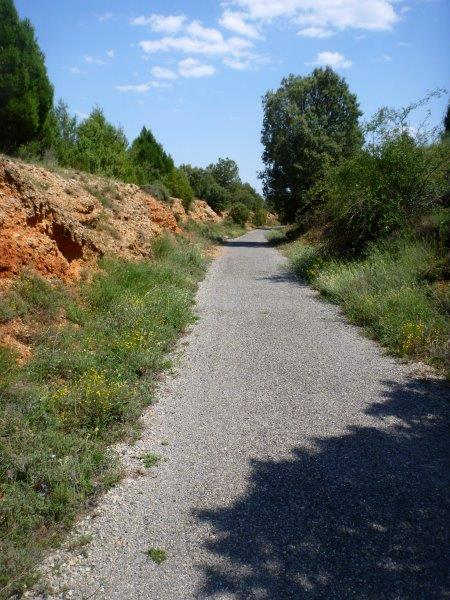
393 292
157 555
309 124
178 183
206 187
150 459
26 94
380 189
149 160
102 148
225 172
85 386
158 190
239 213
259 218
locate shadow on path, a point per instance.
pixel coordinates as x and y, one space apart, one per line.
363 516
241 244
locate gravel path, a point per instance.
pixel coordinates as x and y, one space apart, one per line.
298 461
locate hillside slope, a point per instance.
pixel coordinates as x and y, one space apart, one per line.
58 222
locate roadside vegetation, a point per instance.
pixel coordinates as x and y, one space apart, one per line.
366 208
96 349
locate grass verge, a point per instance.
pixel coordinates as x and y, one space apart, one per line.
397 292
95 351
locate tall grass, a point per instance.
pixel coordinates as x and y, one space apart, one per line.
394 292
88 380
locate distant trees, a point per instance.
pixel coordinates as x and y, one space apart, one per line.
309 123
26 94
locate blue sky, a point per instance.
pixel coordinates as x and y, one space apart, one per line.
195 71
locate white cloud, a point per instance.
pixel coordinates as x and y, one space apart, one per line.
161 23
92 60
332 59
236 22
386 57
315 32
110 53
234 46
163 73
140 88
196 30
191 67
75 70
375 15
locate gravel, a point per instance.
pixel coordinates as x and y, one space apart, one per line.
297 461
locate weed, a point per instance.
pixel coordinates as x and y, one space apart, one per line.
150 459
157 555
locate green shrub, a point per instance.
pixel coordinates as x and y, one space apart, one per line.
380 190
259 218
239 214
178 184
159 191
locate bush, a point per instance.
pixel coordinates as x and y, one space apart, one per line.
179 186
380 190
239 214
102 148
159 191
259 218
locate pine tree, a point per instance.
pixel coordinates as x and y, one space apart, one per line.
149 158
26 94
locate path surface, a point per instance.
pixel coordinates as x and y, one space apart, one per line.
300 462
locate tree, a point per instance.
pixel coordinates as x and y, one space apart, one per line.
178 183
26 94
226 172
206 187
102 148
239 213
149 158
309 123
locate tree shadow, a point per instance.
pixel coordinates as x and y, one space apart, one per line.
363 516
236 243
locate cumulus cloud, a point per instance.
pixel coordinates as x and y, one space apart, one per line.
191 67
332 59
163 73
75 70
326 14
161 23
236 22
233 46
110 53
142 88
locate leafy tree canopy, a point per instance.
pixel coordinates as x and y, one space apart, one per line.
26 94
226 172
309 122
